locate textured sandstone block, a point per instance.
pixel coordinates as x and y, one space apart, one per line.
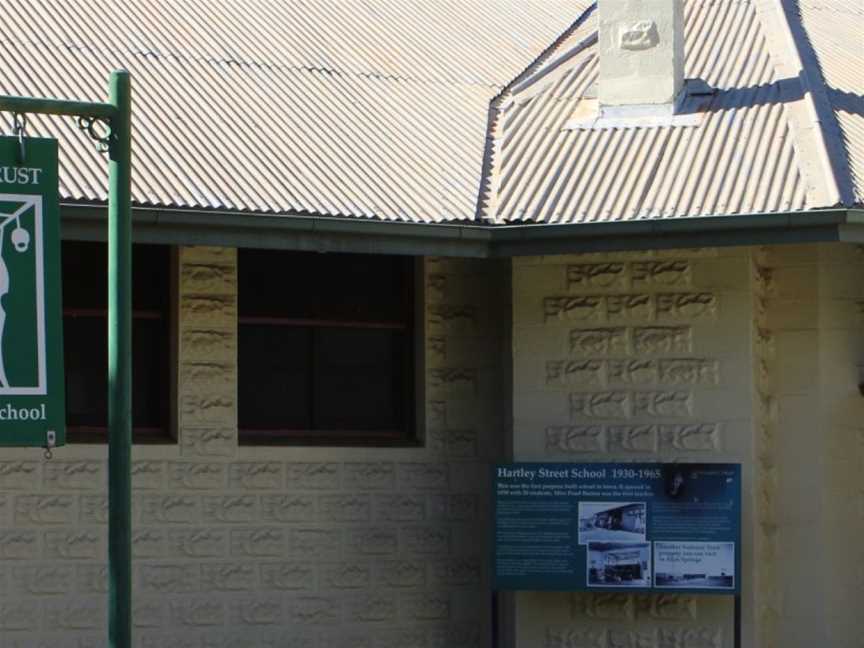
234 509
200 311
255 476
74 475
345 508
206 443
81 544
288 576
196 543
195 476
208 345
196 613
203 409
19 476
424 476
345 575
75 614
257 543
454 507
312 544
314 610
93 509
170 509
168 578
214 378
374 606
313 476
400 573
373 541
452 319
149 543
400 508
228 577
458 571
44 509
288 508
424 606
148 613
460 635
426 539
42 580
207 254
208 278
19 615
369 476
147 475
255 611
91 579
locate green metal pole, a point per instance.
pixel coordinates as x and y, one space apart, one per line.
120 366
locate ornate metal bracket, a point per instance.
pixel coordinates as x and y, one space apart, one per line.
99 130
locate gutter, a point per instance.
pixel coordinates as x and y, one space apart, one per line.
177 226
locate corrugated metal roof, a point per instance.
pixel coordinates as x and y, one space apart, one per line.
368 108
749 153
387 109
836 31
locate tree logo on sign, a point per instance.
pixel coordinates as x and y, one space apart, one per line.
22 290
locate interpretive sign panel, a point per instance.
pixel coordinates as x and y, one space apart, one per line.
610 527
32 410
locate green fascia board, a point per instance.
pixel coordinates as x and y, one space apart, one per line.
179 226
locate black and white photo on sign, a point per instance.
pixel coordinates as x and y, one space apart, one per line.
612 522
696 565
619 564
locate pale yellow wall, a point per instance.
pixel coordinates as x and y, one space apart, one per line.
639 357
321 547
742 354
813 455
289 547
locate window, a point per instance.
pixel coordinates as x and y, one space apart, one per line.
85 339
326 348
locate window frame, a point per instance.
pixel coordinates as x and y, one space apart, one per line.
141 435
410 432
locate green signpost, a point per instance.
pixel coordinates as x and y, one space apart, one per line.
24 209
32 411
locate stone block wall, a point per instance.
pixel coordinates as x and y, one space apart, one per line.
294 547
812 446
743 354
633 357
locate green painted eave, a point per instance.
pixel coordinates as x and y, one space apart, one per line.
328 234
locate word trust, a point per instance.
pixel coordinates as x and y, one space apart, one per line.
19 175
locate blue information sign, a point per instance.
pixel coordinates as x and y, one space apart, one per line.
618 527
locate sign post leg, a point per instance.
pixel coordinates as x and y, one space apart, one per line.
120 367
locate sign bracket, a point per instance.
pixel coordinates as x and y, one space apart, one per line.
117 114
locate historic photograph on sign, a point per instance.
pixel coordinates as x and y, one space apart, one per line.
612 522
694 565
619 564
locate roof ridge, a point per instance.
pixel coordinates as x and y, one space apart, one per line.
831 158
185 57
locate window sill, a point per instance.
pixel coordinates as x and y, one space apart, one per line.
87 435
384 439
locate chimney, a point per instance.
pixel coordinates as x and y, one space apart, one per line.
641 56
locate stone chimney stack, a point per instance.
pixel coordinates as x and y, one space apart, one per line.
641 55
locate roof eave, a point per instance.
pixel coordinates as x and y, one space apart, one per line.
177 226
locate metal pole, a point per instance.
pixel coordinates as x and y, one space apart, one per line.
120 366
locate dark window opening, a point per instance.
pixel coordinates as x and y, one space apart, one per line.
326 346
85 340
